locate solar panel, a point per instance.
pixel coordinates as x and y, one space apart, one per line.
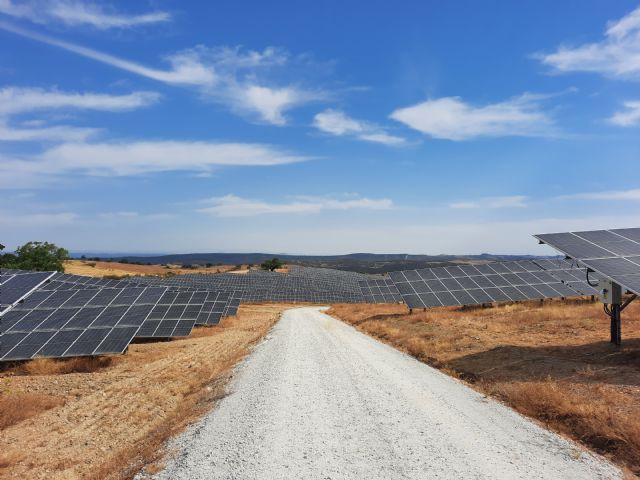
614 254
214 308
16 285
475 285
174 314
380 290
62 323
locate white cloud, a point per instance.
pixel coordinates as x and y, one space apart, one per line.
269 103
77 13
629 117
338 123
234 206
617 55
224 75
61 133
382 137
623 195
452 119
136 158
14 100
513 201
11 221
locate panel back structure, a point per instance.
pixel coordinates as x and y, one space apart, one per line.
614 254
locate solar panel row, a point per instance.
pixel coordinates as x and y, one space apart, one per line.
478 284
53 323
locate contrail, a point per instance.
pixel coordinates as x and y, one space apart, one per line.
187 71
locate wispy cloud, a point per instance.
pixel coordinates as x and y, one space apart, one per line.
513 201
229 76
452 119
617 55
338 123
136 158
630 117
234 206
11 220
613 195
78 13
15 101
128 215
60 133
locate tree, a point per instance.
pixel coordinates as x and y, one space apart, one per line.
272 264
39 256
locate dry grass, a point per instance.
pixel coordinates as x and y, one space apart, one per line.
550 361
115 419
15 408
117 269
47 366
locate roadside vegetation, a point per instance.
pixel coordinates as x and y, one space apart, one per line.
550 361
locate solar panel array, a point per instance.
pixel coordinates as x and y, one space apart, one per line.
614 254
65 315
480 284
380 290
300 284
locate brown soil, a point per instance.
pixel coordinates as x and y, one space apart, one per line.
109 417
550 361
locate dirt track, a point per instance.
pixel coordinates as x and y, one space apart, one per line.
320 400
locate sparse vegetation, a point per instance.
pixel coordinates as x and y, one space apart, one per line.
550 361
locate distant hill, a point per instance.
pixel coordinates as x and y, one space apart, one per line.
359 262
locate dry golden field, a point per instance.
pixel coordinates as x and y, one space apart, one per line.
90 268
549 361
108 417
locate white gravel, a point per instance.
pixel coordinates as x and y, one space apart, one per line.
319 400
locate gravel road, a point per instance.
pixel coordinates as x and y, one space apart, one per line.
320 400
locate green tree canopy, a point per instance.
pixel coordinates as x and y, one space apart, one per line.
39 256
272 264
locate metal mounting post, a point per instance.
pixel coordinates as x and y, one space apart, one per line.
616 324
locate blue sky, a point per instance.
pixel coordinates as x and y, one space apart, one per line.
317 127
